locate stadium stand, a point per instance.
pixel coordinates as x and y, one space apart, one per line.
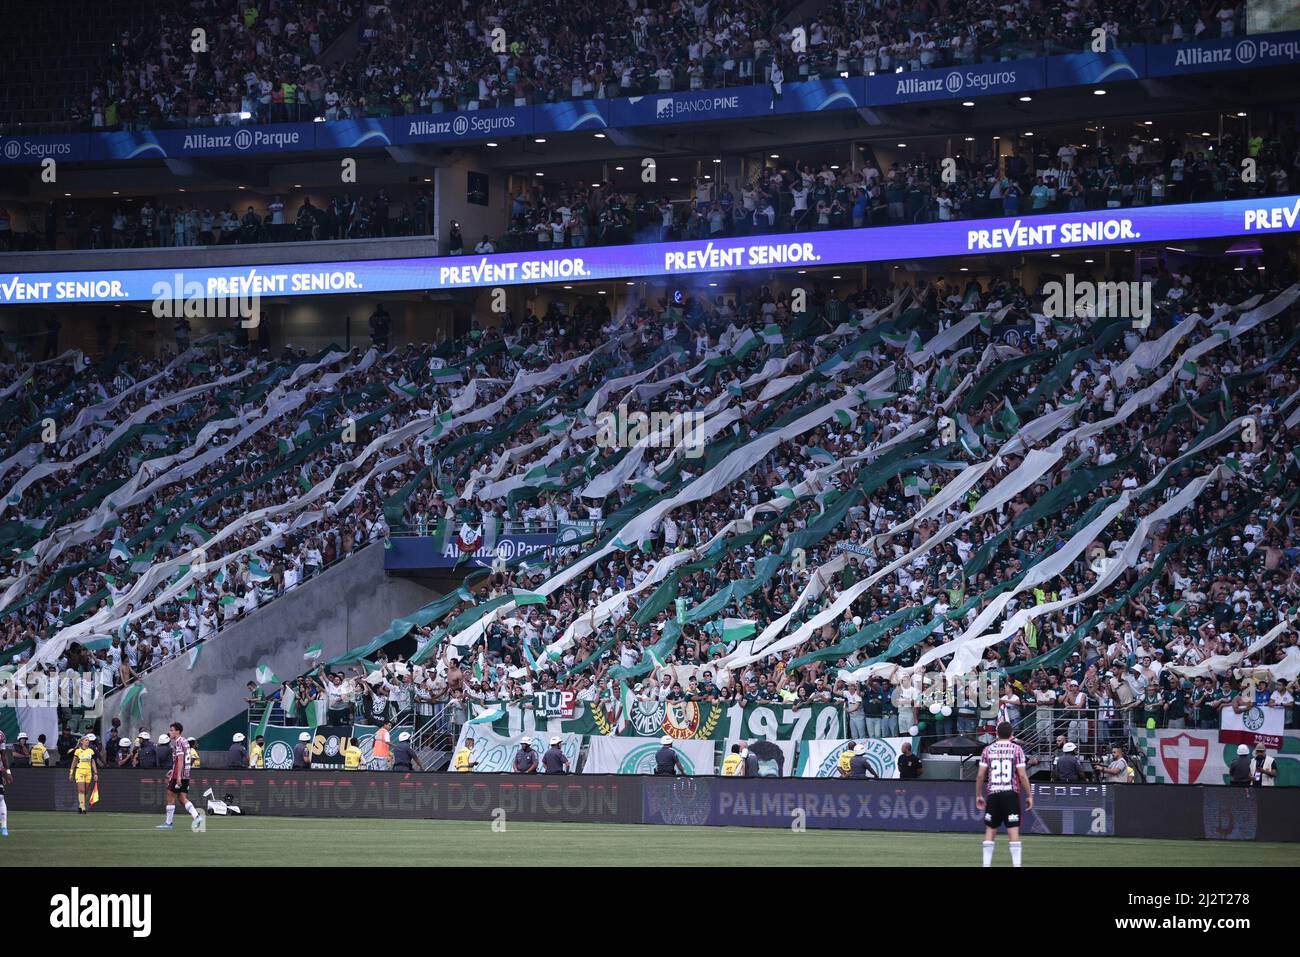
819 431
849 486
272 62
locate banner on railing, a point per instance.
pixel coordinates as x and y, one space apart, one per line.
633 756
1193 756
325 747
684 720
494 753
821 759
1256 725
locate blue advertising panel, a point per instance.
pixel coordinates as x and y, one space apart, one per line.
205 141
462 127
416 553
569 115
949 83
62 147
1085 69
1272 214
1234 53
866 805
350 134
656 109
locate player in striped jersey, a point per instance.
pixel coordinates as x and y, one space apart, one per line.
178 781
1002 769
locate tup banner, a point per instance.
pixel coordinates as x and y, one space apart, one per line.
1272 214
637 756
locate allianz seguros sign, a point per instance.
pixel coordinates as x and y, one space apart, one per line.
950 82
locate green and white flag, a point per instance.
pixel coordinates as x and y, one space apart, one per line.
194 653
314 652
265 676
121 552
313 712
446 374
196 531
846 417
1188 371
731 629
745 343
525 597
772 336
647 484
915 485
1007 420
256 571
488 715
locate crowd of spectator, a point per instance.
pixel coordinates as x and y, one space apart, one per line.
263 59
1232 577
1044 174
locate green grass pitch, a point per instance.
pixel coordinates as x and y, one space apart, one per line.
39 838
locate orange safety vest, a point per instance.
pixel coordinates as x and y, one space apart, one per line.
382 748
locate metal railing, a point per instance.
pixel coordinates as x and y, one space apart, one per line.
434 736
1093 731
